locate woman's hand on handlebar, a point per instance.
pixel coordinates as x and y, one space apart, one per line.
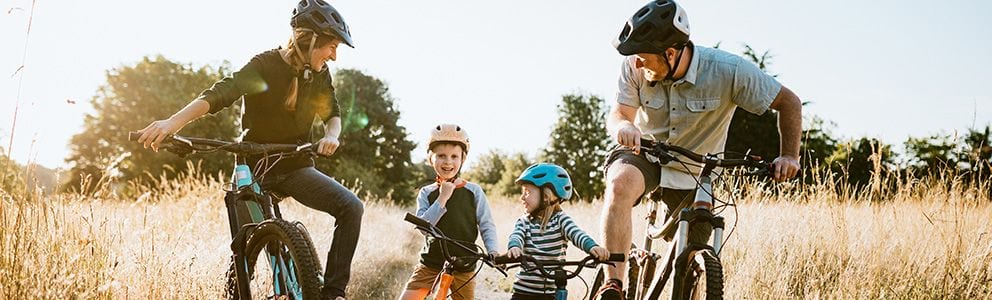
629 136
153 134
784 167
327 145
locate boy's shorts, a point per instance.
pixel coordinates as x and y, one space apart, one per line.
423 278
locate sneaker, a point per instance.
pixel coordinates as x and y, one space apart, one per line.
612 290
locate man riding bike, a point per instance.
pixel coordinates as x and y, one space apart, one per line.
673 91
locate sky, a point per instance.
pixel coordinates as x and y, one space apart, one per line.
884 69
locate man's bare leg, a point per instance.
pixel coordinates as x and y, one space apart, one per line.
624 185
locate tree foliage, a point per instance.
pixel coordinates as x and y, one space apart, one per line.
860 160
488 170
578 143
513 166
374 156
11 181
132 97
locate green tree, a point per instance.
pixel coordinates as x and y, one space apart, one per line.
862 160
578 143
132 97
756 134
375 154
977 154
934 154
817 146
488 169
513 166
11 181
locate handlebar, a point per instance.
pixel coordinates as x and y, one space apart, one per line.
663 151
587 262
433 231
185 145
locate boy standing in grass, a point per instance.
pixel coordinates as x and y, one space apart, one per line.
458 207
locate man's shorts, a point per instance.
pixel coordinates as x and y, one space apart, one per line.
423 278
674 200
650 170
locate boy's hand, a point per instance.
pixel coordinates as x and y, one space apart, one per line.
445 192
600 253
514 252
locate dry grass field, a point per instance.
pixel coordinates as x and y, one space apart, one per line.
920 239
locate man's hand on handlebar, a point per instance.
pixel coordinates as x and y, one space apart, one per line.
629 136
785 167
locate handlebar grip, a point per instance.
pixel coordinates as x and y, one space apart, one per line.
617 257
133 136
417 221
504 259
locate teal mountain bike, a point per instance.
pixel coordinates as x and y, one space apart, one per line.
272 258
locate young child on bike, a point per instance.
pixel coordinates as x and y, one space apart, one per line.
458 207
542 232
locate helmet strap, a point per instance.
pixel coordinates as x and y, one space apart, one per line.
678 61
307 69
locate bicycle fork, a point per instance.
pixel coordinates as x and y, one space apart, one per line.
702 211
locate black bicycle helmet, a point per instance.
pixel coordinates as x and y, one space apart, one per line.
322 18
657 26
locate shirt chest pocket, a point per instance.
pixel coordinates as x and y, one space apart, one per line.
653 98
702 105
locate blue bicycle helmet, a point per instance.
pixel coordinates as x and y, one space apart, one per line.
545 174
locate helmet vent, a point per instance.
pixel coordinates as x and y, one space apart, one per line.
568 188
641 13
318 17
644 32
304 3
539 176
665 15
562 176
337 19
438 127
625 33
321 3
458 128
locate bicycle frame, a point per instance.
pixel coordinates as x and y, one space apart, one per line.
700 210
247 206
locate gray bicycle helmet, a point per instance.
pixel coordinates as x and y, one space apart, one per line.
322 18
657 26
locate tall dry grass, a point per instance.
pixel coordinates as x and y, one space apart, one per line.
915 239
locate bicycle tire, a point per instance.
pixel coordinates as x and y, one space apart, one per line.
634 277
597 282
278 233
702 277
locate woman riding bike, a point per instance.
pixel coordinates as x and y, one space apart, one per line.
283 90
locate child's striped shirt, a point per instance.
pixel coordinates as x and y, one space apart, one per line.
547 245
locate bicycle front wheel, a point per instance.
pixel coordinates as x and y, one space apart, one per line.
281 263
702 278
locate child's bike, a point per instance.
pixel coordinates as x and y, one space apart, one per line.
698 273
442 287
558 271
291 268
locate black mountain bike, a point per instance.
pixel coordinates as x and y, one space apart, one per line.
698 273
291 268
